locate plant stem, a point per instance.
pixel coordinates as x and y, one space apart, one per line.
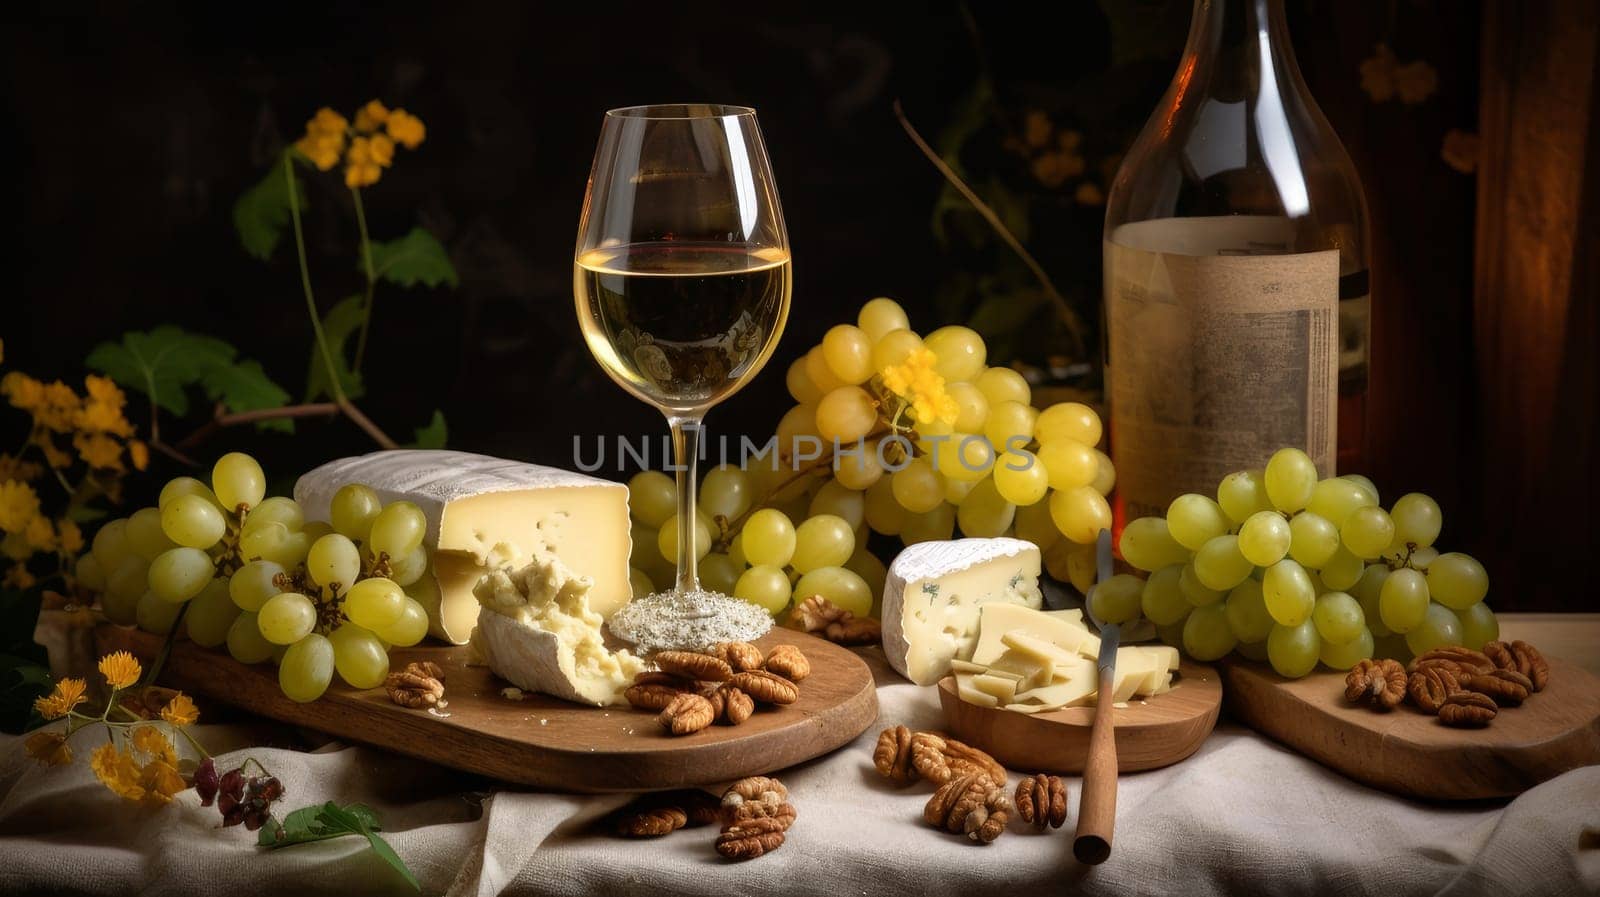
372 279
223 418
166 647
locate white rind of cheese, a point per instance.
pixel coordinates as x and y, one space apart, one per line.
473 503
934 592
537 631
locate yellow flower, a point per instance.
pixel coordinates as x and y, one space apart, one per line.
67 694
117 771
102 412
160 782
406 128
22 391
40 534
19 505
326 121
382 150
49 748
324 139
150 741
918 383
18 577
139 454
180 711
1089 194
120 669
370 116
59 409
357 171
99 450
71 538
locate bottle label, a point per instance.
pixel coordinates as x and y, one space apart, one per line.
1223 347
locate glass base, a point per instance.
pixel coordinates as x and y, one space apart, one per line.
688 621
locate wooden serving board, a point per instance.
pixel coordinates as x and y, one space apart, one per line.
1409 752
540 740
1150 732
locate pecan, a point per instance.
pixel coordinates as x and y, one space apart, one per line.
691 665
700 807
784 812
1507 688
939 759
1467 709
760 789
1383 682
1432 684
730 705
970 804
739 656
750 839
650 820
789 662
854 631
766 687
688 713
417 686
1464 659
1042 801
654 691
1522 657
892 756
817 614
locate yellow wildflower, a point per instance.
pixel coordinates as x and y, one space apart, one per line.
139 454
120 669
361 168
117 771
40 534
22 391
67 694
99 450
323 142
370 116
49 748
19 577
406 128
102 412
71 538
59 409
19 505
14 468
160 782
180 711
149 740
918 383
382 150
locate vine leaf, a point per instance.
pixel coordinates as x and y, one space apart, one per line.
338 325
261 214
417 257
245 386
329 820
433 435
24 670
163 363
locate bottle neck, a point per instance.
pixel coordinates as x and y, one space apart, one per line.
1238 48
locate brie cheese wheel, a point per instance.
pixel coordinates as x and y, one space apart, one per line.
933 595
474 503
537 631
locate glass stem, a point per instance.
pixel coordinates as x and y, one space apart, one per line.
686 452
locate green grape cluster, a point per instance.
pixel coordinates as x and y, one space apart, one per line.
1287 567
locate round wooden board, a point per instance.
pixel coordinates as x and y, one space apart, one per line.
539 740
1409 752
1151 732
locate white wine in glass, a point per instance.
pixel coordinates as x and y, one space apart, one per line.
682 274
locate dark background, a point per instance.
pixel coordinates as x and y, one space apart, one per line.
132 129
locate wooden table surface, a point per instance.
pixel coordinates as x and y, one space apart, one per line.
1571 637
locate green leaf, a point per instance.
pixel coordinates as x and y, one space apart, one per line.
329 820
415 258
433 435
160 363
24 670
341 322
244 386
382 849
87 514
261 214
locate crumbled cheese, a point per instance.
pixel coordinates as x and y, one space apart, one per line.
688 621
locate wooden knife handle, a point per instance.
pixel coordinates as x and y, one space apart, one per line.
1097 805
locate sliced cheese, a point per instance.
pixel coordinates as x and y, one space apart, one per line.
1032 670
966 666
1004 688
1023 642
1067 693
1063 630
1133 665
934 592
475 502
971 694
1165 656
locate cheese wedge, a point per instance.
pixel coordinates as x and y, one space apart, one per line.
475 502
1064 629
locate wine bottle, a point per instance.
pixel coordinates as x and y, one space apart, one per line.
1236 280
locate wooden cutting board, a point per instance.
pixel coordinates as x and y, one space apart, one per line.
539 740
1150 732
1409 752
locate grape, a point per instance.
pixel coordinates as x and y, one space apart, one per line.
1423 558
155 614
1105 478
1417 519
768 538
353 509
333 561
1264 538
408 628
884 512
640 582
822 541
274 542
1004 385
1392 646
1219 565
960 352
1343 571
857 469
397 529
844 416
1364 483
1288 593
1313 541
124 587
238 481
1294 650
1347 655
1080 513
306 669
1161 601
186 486
245 642
1439 627
1368 590
1256 651
252 584
211 615
918 487
192 521
1020 478
881 315
1243 493
1457 580
359 656
1148 545
840 586
1339 618
1247 612
972 409
797 431
374 603
935 525
1367 532
1403 600
1009 425
1336 498
145 535
1478 626
1197 593
179 574
88 572
1206 633
407 570
726 490
893 347
834 498
1117 599
316 529
653 498
111 545
801 389
986 513
962 456
1193 520
1069 464
764 585
818 372
278 510
286 618
1033 524
718 573
866 565
1290 479
848 351
1073 421
667 539
955 491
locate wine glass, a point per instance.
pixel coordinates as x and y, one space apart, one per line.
682 274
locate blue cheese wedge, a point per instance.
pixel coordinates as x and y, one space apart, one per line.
935 591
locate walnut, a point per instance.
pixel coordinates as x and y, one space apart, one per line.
739 656
654 691
1383 682
1432 684
939 759
752 838
1042 801
972 805
816 612
789 662
687 714
892 756
691 665
818 615
1467 709
419 685
730 705
1463 658
766 687
1507 688
1522 657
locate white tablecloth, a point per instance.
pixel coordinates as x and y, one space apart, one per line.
1243 816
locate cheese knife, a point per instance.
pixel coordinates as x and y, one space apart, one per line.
1097 803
